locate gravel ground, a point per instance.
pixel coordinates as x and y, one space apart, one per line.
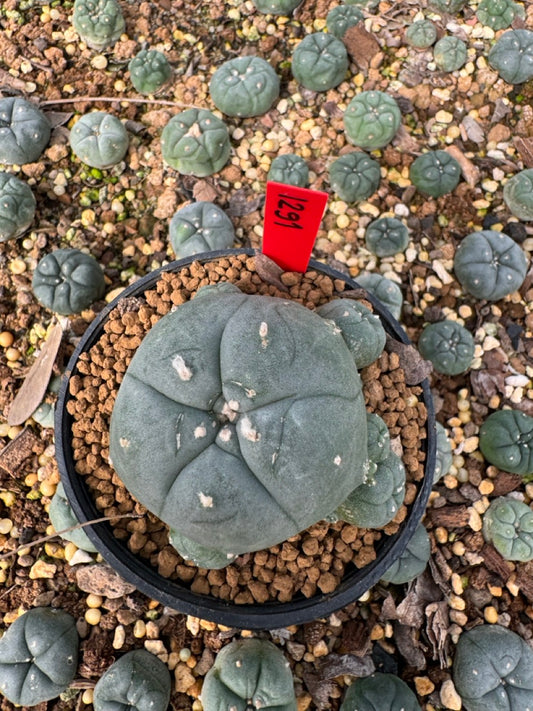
121 216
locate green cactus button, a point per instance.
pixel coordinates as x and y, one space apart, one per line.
518 194
320 61
99 23
200 227
289 169
354 176
24 131
506 440
17 206
508 525
149 71
512 56
99 139
372 119
448 345
244 87
435 173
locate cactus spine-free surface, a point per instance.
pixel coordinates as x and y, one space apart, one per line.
24 131
17 206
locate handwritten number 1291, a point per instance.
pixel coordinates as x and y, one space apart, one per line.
289 211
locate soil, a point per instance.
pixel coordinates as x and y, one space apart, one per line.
121 216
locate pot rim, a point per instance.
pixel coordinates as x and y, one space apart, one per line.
178 596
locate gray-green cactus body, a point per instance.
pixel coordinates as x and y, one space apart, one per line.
17 206
340 18
62 517
149 71
38 656
354 176
386 236
450 53
493 669
372 119
489 265
361 329
378 440
518 194
412 562
421 34
99 139
244 87
435 173
512 56
276 7
508 525
249 674
379 692
444 456
499 14
137 681
320 62
448 345
67 281
200 227
289 169
506 440
99 23
24 131
384 289
222 404
450 6
196 142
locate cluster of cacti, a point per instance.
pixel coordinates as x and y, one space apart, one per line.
508 525
384 289
506 440
413 561
354 176
62 517
290 169
512 56
24 131
499 14
99 139
244 87
149 71
421 34
340 18
448 345
386 236
372 119
379 692
518 194
320 61
450 53
99 23
435 173
200 227
17 206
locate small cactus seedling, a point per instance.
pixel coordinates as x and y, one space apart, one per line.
24 131
489 265
99 139
320 61
38 656
512 56
435 173
448 345
421 34
372 119
99 23
499 14
506 440
200 227
379 692
444 456
341 18
62 517
385 290
17 206
196 142
354 176
149 71
249 674
137 681
67 281
289 169
450 53
518 194
508 525
493 669
450 6
386 236
244 87
412 562
276 7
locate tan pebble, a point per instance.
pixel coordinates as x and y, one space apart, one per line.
320 649
93 616
449 696
42 569
157 647
458 548
441 534
456 602
486 487
184 678
152 630
304 702
119 637
377 632
99 61
87 697
6 524
423 685
474 520
490 613
457 584
458 617
139 629
470 444
511 585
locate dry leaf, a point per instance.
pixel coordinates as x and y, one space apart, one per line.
470 172
269 271
203 191
416 369
361 45
239 205
340 664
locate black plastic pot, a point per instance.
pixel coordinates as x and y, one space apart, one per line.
177 595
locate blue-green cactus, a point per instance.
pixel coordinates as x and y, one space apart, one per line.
451 6
200 227
444 456
320 62
385 290
489 265
421 34
435 173
99 23
62 517
276 7
196 142
506 440
512 56
372 119
499 14
379 692
340 18
450 53
386 236
289 169
149 71
354 176
244 86
378 438
17 206
508 525
518 194
24 131
413 561
448 345
99 139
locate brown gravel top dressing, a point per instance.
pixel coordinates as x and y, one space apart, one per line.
312 561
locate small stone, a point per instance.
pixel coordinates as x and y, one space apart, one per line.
101 579
42 569
449 696
423 685
183 677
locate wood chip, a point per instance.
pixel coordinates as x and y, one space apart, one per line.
101 579
449 516
470 172
361 45
524 146
495 562
17 451
269 271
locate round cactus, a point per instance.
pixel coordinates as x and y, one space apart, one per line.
512 56
24 131
412 562
67 281
448 345
385 692
38 656
361 329
62 517
506 440
149 71
17 207
196 142
435 173
244 86
421 34
137 681
99 23
249 674
200 227
320 62
489 265
289 169
354 176
444 456
372 119
341 18
450 53
450 6
216 401
99 139
276 7
493 669
518 194
386 236
508 525
378 440
499 14
386 290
